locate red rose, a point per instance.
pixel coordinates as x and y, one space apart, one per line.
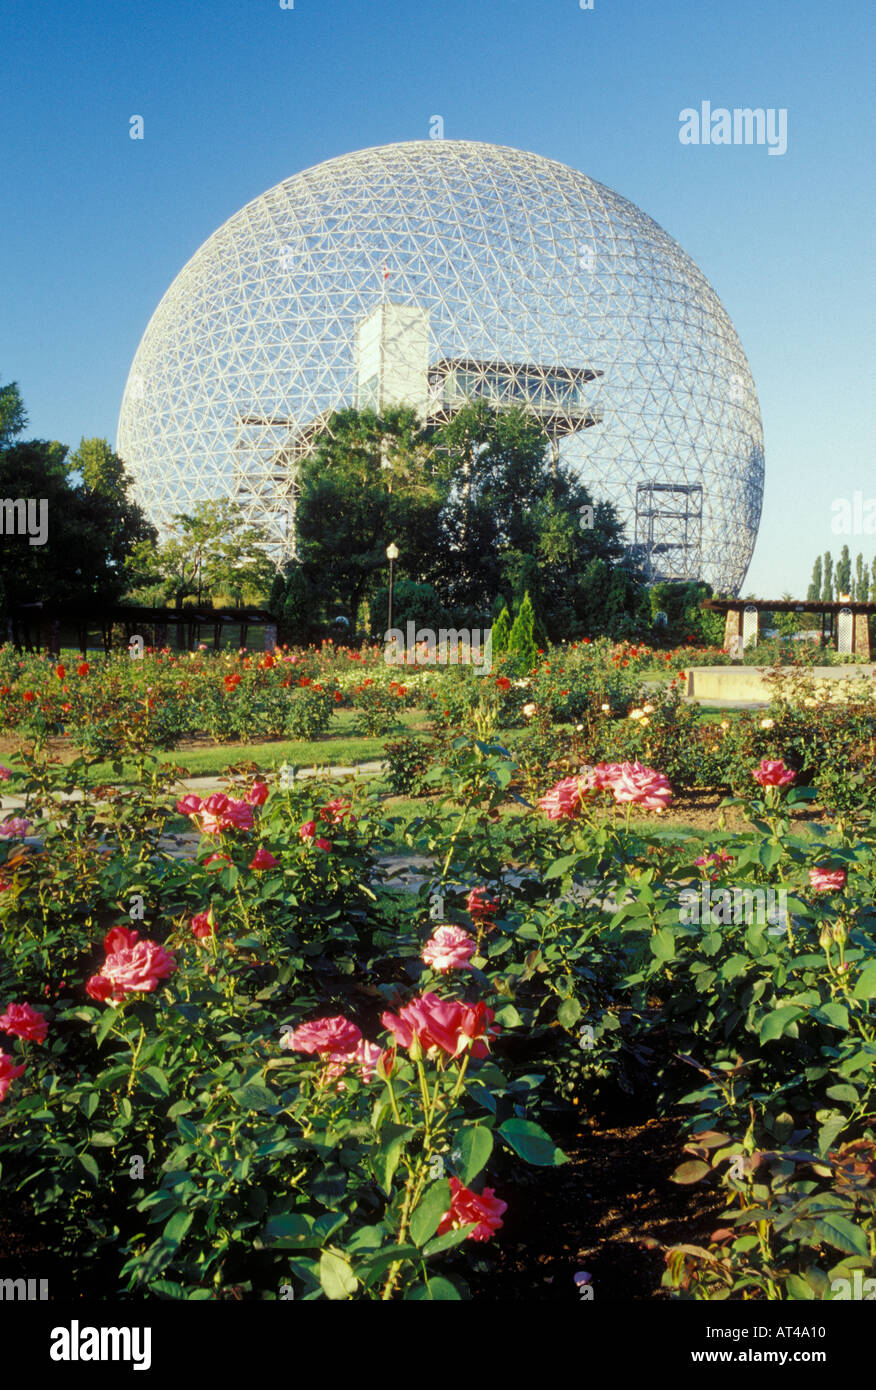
484 1210
119 939
8 1074
258 794
99 988
447 1025
773 773
263 859
21 1021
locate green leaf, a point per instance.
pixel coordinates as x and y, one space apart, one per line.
428 1212
691 1172
475 1144
508 1016
178 1224
255 1096
663 944
532 1144
89 1104
843 1093
106 1024
379 1260
90 1165
447 1241
560 866
866 986
569 1012
829 1131
287 1232
434 1291
797 1288
777 1022
337 1278
153 1080
834 1014
842 1234
385 1157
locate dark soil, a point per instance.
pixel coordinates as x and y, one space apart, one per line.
594 1214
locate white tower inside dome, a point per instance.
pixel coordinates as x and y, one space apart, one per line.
392 358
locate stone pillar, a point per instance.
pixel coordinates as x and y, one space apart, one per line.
733 632
861 640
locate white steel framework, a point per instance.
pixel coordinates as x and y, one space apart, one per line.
436 271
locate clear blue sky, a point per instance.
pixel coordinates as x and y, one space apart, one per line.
239 94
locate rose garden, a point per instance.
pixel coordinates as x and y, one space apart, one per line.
294 1033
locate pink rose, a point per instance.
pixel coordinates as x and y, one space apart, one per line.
563 801
322 844
137 969
642 786
99 988
258 794
485 1209
8 1073
119 939
15 828
773 773
189 805
218 855
307 830
5 773
447 1025
480 904
21 1021
238 814
335 810
365 1057
263 859
203 924
822 880
600 778
336 1035
449 948
715 858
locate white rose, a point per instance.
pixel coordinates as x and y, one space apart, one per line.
767 723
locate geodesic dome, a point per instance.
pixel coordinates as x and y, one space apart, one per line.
435 272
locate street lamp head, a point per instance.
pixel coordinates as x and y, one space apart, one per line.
392 551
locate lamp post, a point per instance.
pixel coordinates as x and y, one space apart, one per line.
391 555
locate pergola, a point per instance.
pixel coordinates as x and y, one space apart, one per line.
742 621
33 625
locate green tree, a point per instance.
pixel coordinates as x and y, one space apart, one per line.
862 580
522 647
411 602
371 479
827 585
211 554
89 534
813 593
501 631
13 416
291 603
843 579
